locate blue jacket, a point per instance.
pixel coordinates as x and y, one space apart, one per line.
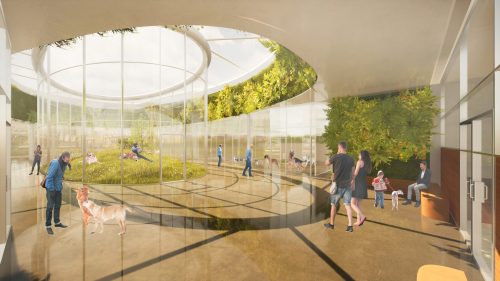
219 151
54 177
248 155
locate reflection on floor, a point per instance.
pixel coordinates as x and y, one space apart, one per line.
228 227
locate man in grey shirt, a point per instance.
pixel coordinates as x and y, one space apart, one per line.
423 182
343 171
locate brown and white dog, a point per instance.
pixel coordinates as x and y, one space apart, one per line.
103 214
82 195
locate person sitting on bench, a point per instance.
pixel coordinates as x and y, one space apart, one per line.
423 182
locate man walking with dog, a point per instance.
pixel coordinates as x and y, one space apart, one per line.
343 170
423 182
54 186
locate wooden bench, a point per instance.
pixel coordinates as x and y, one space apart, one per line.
434 204
432 272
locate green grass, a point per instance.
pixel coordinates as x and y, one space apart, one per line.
108 171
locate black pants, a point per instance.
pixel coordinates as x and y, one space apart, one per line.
220 160
54 199
142 157
36 162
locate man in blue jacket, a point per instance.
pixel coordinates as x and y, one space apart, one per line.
54 186
137 150
219 154
248 161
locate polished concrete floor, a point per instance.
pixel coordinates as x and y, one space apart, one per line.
227 227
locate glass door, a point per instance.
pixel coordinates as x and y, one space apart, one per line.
466 183
481 192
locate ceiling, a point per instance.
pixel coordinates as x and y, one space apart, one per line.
356 47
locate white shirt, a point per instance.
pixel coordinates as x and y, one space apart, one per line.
422 174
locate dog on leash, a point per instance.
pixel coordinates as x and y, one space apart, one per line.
395 196
82 195
103 214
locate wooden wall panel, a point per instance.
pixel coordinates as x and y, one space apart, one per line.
450 180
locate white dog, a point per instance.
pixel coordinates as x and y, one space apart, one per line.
394 196
103 214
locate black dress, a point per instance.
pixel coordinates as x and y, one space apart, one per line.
361 188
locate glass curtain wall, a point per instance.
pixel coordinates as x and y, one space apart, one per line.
468 89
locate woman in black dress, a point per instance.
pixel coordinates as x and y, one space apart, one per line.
363 168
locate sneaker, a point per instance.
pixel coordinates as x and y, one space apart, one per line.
376 205
407 202
60 225
31 173
49 230
244 175
381 207
417 204
328 225
37 174
349 228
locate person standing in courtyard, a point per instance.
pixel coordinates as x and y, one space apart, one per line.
36 160
219 154
54 186
343 170
360 192
248 161
423 182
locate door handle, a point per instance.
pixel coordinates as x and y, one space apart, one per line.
468 187
485 192
472 187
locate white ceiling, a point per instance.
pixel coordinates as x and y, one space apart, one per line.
356 47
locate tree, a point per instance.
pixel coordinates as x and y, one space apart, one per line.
389 127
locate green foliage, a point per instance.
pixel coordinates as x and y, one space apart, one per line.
397 127
71 41
287 77
108 171
23 105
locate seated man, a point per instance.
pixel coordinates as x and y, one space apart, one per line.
137 150
423 182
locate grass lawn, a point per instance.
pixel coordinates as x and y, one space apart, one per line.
108 170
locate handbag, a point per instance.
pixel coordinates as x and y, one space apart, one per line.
42 183
333 188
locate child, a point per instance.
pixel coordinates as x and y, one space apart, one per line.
379 185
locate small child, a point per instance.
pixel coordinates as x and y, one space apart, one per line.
379 185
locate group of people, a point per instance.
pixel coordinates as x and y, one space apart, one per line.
248 159
349 184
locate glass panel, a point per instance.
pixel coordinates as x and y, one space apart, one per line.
480 43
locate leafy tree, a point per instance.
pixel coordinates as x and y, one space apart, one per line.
389 127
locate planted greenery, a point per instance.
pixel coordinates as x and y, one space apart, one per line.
397 127
287 77
108 170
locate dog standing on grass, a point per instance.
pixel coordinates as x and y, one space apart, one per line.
103 214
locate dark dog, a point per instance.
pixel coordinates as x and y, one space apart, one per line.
271 161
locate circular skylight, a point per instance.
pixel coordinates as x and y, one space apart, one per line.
157 64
